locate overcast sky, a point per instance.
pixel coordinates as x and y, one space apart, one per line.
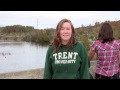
49 19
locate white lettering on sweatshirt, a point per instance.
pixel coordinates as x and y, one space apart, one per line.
65 57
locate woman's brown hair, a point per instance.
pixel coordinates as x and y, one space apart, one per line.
105 33
56 42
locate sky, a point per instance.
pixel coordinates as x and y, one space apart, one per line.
50 19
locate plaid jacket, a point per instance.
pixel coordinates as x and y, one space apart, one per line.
107 57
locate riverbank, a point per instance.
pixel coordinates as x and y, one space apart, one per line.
36 73
9 37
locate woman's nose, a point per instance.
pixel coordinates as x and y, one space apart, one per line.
65 31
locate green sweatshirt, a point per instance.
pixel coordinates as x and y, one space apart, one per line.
71 64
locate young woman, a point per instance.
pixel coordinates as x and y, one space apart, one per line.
108 53
66 58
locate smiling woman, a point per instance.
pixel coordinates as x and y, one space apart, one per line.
66 58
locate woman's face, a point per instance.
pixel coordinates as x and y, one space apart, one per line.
65 32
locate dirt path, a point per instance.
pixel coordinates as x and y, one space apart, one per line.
29 74
37 73
92 68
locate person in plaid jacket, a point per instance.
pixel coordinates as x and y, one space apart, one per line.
107 50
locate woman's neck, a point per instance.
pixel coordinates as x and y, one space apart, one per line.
64 42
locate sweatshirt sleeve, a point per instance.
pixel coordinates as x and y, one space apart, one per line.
48 66
84 70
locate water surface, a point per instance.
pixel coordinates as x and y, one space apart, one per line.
17 56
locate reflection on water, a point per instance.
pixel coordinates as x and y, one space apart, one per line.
10 44
17 56
3 53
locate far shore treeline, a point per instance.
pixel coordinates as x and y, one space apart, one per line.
85 34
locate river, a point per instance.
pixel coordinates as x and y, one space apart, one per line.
18 56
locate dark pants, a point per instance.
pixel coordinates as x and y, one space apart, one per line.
98 76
